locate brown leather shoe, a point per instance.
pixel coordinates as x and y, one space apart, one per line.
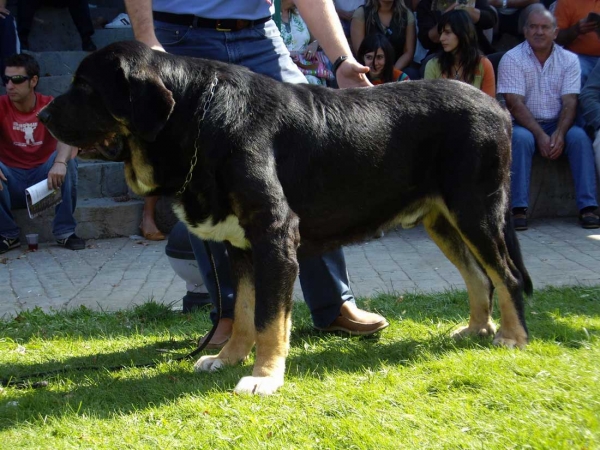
221 336
356 322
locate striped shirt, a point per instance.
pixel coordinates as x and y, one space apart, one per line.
521 73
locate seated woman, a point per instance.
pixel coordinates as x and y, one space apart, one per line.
391 19
377 54
461 58
303 49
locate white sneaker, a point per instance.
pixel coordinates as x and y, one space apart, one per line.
121 21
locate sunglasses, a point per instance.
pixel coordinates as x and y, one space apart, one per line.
16 79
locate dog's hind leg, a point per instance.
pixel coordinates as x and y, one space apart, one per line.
479 286
244 333
486 240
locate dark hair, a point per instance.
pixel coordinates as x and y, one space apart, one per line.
468 48
370 44
32 68
399 11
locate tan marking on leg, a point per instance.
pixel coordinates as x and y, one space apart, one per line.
272 346
478 288
243 335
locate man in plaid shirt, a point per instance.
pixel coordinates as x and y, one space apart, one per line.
541 81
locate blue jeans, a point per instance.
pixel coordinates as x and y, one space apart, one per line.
324 278
578 149
12 196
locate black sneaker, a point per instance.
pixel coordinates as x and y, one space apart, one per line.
7 244
87 45
195 300
73 242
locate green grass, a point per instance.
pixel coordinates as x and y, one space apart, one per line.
413 387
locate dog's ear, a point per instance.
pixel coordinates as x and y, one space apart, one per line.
140 99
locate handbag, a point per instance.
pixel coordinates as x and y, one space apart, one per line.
318 65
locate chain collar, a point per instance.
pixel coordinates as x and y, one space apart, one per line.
205 107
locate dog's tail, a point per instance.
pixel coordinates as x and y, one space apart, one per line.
514 251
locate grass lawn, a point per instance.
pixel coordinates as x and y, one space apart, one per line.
413 387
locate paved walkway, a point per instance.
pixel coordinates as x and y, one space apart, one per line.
117 273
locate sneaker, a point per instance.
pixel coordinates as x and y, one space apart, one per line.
121 21
519 217
356 322
87 45
7 244
73 242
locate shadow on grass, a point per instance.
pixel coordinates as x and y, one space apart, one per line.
103 395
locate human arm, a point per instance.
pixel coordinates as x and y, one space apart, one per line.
427 21
342 13
512 3
483 15
58 171
322 20
488 83
516 105
568 28
3 11
565 121
357 28
409 47
140 14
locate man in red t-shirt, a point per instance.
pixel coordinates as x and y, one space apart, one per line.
29 154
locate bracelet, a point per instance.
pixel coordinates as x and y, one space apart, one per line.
62 162
338 62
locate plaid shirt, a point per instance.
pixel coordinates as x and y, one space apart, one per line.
521 73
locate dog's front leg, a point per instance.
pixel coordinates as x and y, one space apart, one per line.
244 333
275 270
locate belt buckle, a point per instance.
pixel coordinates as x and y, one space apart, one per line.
219 28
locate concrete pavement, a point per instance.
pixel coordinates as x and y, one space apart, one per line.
112 274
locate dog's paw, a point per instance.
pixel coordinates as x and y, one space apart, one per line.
503 340
480 330
209 363
258 385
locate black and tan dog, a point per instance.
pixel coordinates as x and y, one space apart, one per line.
275 169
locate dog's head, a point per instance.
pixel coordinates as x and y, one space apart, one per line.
116 92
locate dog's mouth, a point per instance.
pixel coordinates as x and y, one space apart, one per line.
113 148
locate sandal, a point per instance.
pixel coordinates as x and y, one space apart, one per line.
155 236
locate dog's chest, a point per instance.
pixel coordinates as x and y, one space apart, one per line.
226 230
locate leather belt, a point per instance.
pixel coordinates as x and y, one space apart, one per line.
200 22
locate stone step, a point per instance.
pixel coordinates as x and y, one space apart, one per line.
97 218
100 179
58 63
41 40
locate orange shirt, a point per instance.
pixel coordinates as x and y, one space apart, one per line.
568 13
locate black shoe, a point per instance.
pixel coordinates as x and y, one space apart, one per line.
195 300
520 222
87 45
7 244
589 220
73 242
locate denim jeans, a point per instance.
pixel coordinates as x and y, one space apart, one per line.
324 278
587 64
578 149
12 196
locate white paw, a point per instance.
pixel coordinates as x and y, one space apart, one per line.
209 363
258 385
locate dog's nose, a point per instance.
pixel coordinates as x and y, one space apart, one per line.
44 115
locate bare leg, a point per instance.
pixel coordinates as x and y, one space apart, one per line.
148 226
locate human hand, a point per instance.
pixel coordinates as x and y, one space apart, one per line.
585 25
3 178
56 176
543 144
557 145
4 12
311 49
352 74
451 7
